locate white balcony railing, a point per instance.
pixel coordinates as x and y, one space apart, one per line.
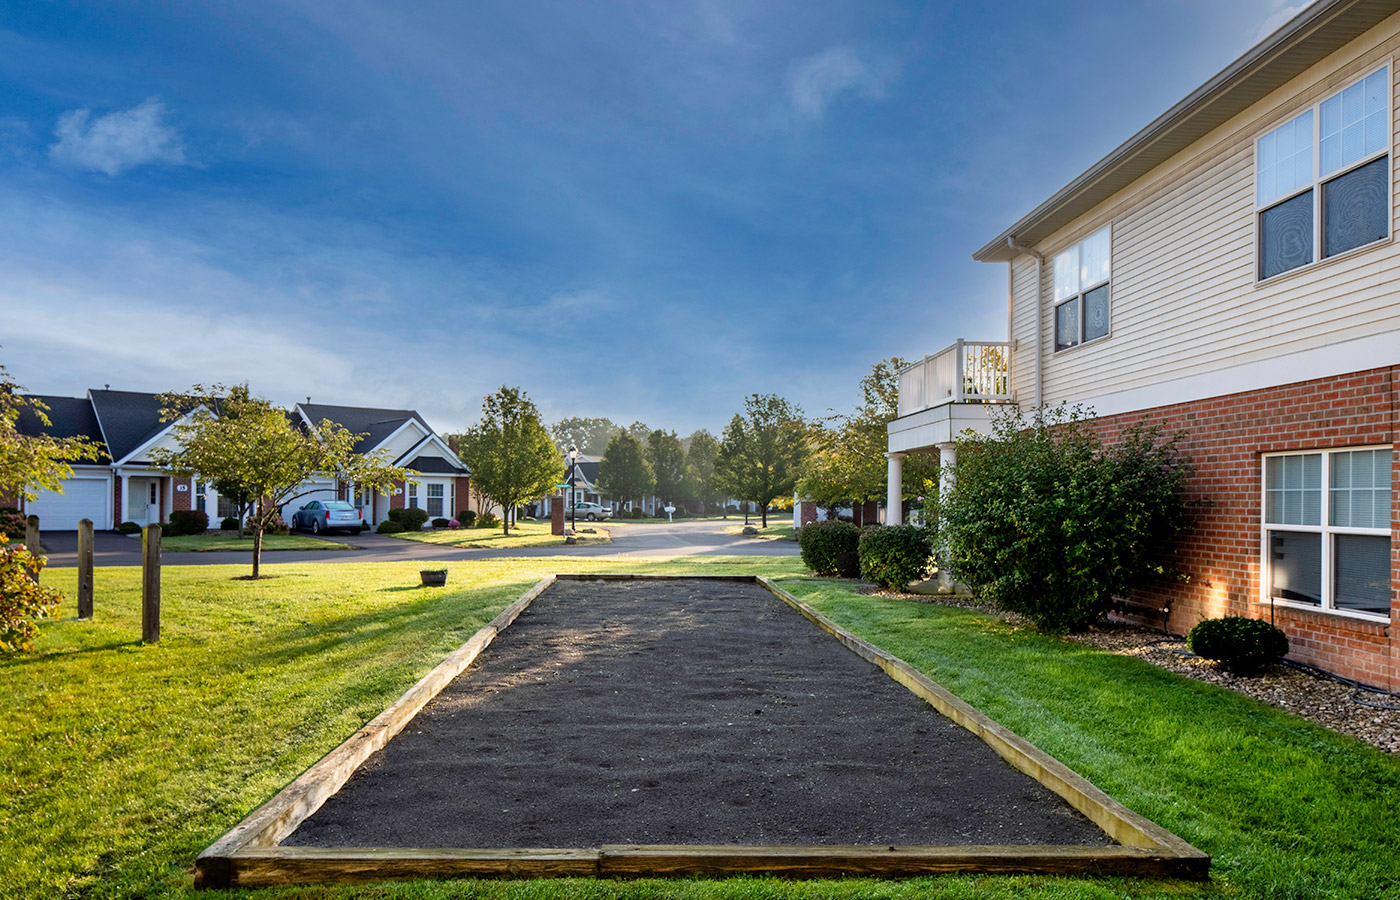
965 372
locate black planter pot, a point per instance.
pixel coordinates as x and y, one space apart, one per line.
433 577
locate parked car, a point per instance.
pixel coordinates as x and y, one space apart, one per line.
328 515
592 512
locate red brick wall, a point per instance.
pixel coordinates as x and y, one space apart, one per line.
180 499
396 501
809 512
464 496
1226 439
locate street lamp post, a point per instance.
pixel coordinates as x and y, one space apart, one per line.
573 501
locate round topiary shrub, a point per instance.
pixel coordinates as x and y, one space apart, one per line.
440 522
895 555
1241 645
389 527
487 520
411 518
229 524
823 544
129 528
467 517
187 521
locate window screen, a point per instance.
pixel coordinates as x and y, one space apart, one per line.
1361 573
1356 208
1286 236
1295 566
1096 313
1067 324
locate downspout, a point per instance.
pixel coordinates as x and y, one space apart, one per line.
1039 368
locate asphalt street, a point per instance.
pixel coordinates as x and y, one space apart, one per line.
706 538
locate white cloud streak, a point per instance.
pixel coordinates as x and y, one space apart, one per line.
1280 11
118 141
815 82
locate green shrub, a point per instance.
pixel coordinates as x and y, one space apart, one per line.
1045 521
467 517
439 522
895 555
389 526
229 524
129 528
1241 645
848 564
12 524
187 521
22 601
411 518
823 543
487 520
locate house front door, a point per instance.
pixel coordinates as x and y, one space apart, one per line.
143 506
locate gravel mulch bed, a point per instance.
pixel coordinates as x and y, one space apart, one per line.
1324 701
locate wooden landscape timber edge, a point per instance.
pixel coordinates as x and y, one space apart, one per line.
224 863
248 855
1120 823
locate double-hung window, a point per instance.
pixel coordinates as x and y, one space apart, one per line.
413 496
1081 291
1323 178
1327 529
435 501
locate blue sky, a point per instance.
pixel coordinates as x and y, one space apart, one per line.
640 210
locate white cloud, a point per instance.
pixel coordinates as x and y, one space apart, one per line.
1280 11
817 80
118 141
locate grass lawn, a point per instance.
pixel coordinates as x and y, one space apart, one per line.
523 534
119 762
777 530
227 540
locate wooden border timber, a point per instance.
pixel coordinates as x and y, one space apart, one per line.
249 855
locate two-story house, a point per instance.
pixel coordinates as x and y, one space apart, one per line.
1231 270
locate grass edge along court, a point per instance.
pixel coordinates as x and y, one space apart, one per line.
120 762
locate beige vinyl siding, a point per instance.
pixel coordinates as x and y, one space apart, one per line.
405 440
1023 328
1184 298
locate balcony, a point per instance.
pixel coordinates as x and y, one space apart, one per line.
964 372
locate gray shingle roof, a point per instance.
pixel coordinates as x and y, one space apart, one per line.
128 419
68 417
375 424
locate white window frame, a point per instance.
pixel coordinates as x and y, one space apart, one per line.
1083 288
1325 532
1319 180
412 495
441 498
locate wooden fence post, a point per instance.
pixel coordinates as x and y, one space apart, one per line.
150 584
85 569
32 544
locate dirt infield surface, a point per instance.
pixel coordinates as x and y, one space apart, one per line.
682 712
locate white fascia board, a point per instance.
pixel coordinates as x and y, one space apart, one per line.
408 423
432 438
1374 352
153 439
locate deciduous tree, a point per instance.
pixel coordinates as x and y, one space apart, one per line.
700 468
31 461
230 436
667 458
623 472
512 457
589 435
763 451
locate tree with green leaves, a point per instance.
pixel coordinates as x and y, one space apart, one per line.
623 472
31 461
640 431
700 468
763 451
589 435
849 464
667 458
230 436
510 453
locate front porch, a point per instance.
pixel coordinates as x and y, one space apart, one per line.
940 397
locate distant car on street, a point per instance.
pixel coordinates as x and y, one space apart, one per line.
591 512
328 515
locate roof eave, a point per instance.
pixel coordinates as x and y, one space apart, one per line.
1304 40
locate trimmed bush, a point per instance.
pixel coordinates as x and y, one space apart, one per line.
848 564
467 517
895 555
129 528
1241 645
22 601
1045 521
411 518
389 526
12 524
187 521
487 520
229 524
823 543
440 522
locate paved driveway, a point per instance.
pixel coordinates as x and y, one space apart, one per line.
649 539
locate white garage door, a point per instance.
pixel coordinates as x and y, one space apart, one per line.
82 498
320 490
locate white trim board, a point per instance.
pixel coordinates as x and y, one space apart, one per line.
1374 352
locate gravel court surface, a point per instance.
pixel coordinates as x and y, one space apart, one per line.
682 712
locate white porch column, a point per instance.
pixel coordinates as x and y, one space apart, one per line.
894 506
947 456
126 498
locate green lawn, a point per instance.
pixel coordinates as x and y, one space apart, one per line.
523 534
777 530
119 762
226 540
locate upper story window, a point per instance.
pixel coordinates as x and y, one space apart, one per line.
1081 291
1323 178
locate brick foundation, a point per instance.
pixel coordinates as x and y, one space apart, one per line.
1226 438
